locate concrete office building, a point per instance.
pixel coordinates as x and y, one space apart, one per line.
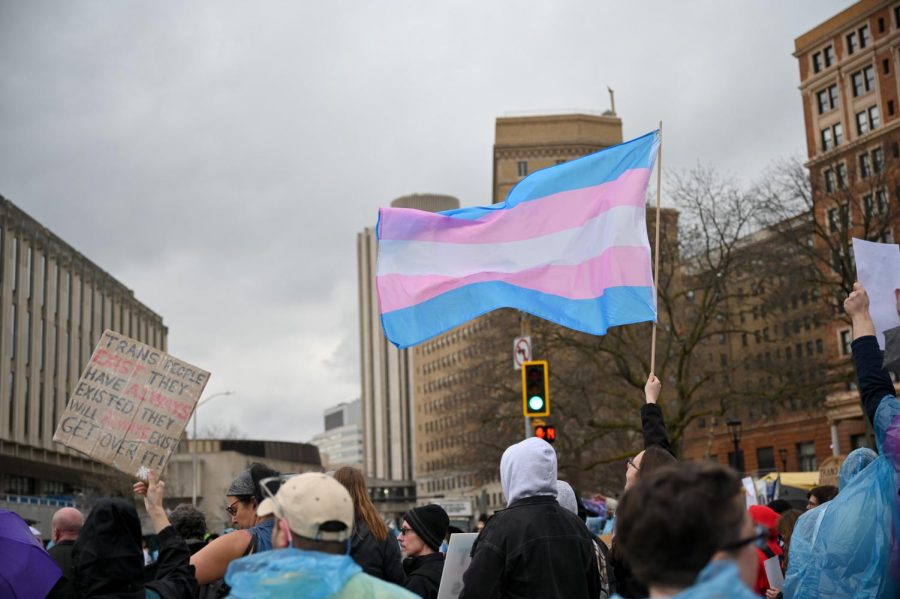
386 372
54 305
342 442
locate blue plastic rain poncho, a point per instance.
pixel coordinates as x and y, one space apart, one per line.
844 548
308 574
720 579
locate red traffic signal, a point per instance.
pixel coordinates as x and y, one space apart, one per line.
545 432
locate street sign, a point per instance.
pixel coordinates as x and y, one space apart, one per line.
521 351
455 507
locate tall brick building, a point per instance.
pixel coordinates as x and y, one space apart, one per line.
849 90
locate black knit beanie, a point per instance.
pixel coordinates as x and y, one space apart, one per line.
430 522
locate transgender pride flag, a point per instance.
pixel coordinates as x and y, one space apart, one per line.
569 245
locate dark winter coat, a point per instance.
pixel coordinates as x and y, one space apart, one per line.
108 561
380 559
533 549
423 574
62 555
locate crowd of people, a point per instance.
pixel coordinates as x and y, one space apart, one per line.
681 529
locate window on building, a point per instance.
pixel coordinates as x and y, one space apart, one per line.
522 168
830 181
864 37
822 99
862 123
833 220
880 201
828 55
865 165
765 459
878 160
820 347
841 172
880 24
852 43
845 216
827 99
862 81
846 338
868 206
874 117
886 66
827 139
817 62
897 17
806 456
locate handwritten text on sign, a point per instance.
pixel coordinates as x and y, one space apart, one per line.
131 405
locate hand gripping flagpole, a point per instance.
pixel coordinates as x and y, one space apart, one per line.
656 252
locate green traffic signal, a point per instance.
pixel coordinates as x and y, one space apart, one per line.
535 389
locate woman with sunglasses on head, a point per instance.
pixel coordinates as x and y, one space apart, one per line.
372 545
254 534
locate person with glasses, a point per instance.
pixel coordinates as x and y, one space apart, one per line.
686 533
313 516
421 535
656 454
254 533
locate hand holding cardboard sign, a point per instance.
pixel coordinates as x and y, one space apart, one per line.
153 492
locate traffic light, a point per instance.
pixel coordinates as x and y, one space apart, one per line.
545 432
535 388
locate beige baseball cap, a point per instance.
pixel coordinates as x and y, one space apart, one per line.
314 505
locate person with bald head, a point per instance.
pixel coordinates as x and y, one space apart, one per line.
65 528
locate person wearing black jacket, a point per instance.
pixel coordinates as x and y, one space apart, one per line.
108 561
373 547
421 535
534 547
65 528
656 454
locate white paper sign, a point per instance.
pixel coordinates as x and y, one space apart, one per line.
749 490
773 573
878 269
455 564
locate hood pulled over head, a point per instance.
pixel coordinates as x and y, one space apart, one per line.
107 558
527 469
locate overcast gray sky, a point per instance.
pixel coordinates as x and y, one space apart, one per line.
219 157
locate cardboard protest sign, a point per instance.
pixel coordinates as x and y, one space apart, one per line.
878 269
131 405
455 564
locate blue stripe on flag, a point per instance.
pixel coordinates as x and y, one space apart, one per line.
600 167
617 306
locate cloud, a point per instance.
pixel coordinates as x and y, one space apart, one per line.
220 157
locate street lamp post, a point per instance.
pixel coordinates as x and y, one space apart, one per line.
734 427
195 476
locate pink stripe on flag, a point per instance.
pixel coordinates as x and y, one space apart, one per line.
557 212
616 267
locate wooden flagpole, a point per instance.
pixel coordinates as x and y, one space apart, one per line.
656 250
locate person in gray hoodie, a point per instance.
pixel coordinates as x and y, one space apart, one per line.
534 547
